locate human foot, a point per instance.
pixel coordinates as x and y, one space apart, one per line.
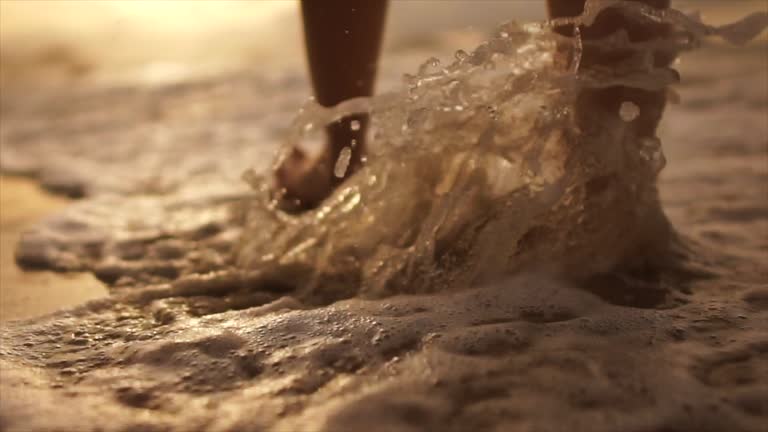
303 182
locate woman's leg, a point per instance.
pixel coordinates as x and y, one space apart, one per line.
343 40
651 103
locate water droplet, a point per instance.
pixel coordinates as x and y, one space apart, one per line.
461 55
342 163
629 111
431 65
354 125
351 203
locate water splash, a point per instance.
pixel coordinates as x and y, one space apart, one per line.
488 165
342 163
629 111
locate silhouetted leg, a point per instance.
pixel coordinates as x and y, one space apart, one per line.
343 39
651 103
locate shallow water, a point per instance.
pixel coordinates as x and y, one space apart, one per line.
188 341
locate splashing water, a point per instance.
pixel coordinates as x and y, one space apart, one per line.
629 111
488 165
342 163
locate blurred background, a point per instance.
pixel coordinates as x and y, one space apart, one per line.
156 40
53 42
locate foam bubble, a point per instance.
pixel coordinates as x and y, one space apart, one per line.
629 111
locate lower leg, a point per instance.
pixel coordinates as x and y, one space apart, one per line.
343 39
651 103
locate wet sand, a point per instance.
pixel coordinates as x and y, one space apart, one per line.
532 353
29 294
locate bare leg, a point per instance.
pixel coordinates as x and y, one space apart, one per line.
651 103
343 39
